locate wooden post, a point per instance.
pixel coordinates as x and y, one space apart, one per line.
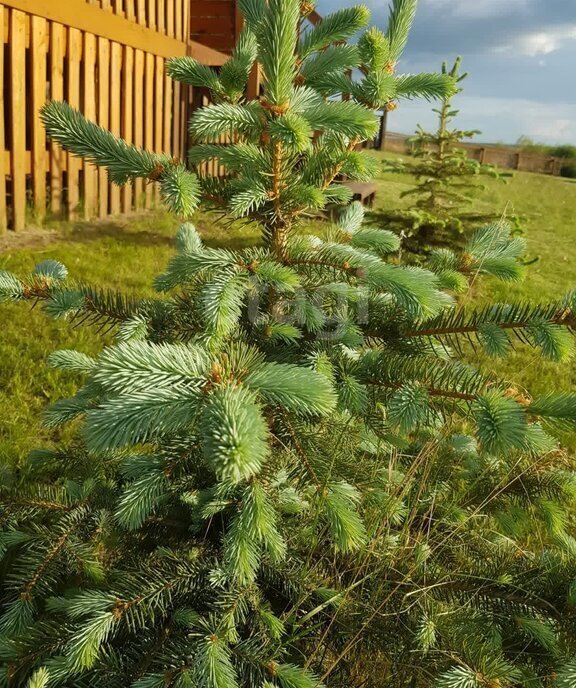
253 85
383 130
186 20
176 129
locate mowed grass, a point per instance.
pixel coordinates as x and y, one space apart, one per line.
129 253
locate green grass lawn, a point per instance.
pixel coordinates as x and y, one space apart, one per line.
126 254
129 253
547 206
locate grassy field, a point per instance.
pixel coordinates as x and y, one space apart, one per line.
547 206
128 254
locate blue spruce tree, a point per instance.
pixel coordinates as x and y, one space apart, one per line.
283 474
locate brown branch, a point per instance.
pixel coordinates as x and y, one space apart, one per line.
300 451
41 504
564 317
338 167
59 544
432 391
344 267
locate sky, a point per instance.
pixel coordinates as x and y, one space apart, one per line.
521 59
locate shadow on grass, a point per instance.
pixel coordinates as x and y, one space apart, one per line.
118 231
159 230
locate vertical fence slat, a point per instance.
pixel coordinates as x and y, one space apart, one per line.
73 98
178 28
103 116
141 12
39 44
57 156
162 16
167 115
130 14
149 118
170 17
90 173
115 86
152 14
186 20
139 116
127 118
18 116
3 219
159 106
176 148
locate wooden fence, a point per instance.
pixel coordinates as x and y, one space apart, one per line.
504 157
106 58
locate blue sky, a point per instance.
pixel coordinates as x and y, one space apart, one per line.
520 54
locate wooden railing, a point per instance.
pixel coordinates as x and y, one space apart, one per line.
107 59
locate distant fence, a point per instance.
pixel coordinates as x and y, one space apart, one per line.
107 59
504 157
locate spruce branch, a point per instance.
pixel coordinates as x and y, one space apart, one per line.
189 71
400 19
548 326
277 37
123 161
334 28
234 433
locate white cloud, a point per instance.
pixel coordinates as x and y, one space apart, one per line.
541 42
479 9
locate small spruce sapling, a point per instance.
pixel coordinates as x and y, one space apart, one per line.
446 179
266 488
